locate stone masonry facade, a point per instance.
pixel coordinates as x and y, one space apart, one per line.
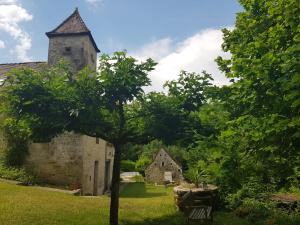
75 161
162 163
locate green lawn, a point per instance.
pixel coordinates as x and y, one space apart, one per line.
140 204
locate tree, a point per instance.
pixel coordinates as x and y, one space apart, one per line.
264 97
118 84
170 116
97 104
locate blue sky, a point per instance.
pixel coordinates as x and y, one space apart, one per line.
179 34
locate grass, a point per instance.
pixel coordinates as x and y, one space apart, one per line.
140 204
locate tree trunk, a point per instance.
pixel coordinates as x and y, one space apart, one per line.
115 187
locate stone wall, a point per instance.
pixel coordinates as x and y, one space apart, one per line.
94 164
163 163
77 49
58 162
73 160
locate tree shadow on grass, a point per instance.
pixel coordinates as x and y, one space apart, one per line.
141 190
174 219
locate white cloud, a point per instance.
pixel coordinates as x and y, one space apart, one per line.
194 54
94 2
2 44
155 49
11 14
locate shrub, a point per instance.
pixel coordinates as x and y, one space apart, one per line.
250 190
257 210
197 174
283 218
127 166
142 164
18 174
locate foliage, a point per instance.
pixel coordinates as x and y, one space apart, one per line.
264 96
170 116
16 135
43 100
198 174
252 189
127 166
166 120
17 174
190 89
254 210
142 163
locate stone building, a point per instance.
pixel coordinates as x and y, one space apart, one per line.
73 160
163 168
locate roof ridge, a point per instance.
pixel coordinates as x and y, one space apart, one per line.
81 20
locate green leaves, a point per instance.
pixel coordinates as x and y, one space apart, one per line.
122 77
190 88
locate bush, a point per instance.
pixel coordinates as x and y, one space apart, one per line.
18 174
142 164
283 218
251 190
127 166
254 210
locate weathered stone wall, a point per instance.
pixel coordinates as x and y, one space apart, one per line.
96 152
73 160
77 49
59 161
161 164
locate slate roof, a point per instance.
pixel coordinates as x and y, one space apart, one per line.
73 25
6 67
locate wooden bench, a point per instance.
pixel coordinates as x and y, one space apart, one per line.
198 208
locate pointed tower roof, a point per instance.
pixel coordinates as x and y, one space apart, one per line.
73 25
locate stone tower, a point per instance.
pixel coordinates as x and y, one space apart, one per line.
73 42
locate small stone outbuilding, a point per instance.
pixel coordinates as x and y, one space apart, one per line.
73 160
163 168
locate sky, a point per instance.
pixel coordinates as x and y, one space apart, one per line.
178 34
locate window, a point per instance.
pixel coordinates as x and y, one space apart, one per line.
162 163
97 141
68 49
92 58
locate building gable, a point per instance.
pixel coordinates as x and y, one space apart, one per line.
162 165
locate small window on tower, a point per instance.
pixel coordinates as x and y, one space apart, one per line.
162 163
68 50
97 140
